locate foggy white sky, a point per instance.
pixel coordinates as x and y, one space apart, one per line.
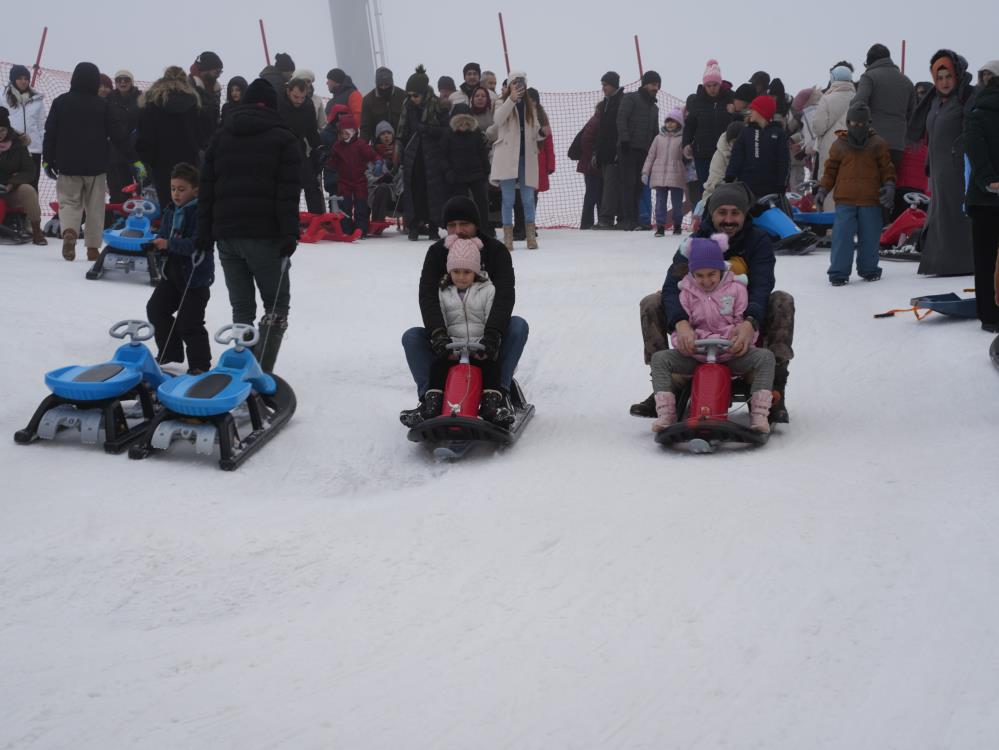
563 46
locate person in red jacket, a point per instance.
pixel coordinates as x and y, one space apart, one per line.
350 159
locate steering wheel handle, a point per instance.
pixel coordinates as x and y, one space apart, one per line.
916 199
807 185
236 333
136 330
772 200
138 207
794 197
705 343
471 346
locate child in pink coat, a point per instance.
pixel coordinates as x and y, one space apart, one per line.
716 300
665 171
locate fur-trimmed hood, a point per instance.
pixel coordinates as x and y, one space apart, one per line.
462 117
172 94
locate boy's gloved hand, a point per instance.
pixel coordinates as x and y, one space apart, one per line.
886 196
439 340
645 180
820 197
492 340
51 171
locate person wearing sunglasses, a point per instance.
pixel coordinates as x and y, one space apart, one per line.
125 101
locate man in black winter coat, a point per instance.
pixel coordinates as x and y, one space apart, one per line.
637 127
299 115
204 78
606 153
79 127
248 204
506 334
382 104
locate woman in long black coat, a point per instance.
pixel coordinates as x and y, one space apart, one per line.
946 238
172 128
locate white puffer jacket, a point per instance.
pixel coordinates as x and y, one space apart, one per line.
27 117
466 318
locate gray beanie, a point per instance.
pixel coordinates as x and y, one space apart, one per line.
384 76
383 127
731 194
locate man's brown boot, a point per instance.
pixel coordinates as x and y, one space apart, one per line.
69 244
93 253
37 237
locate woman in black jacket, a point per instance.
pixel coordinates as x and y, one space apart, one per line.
125 99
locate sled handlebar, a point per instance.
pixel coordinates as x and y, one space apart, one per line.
467 345
769 201
236 333
916 199
808 185
136 330
710 347
794 197
138 207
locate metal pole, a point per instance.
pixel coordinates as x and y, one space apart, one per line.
506 53
903 56
38 60
263 36
638 51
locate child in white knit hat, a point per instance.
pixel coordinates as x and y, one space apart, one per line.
466 297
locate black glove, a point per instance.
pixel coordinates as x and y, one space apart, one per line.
439 340
51 171
820 197
886 195
491 340
288 247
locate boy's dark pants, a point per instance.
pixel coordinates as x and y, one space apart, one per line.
189 329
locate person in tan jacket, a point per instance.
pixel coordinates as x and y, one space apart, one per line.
860 174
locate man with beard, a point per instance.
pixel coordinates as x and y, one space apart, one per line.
205 73
296 109
383 103
343 91
506 334
771 313
472 74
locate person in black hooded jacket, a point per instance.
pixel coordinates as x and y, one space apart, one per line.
465 158
235 90
75 154
248 204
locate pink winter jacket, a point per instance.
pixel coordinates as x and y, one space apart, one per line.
664 164
714 315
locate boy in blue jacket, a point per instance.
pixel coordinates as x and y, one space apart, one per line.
188 274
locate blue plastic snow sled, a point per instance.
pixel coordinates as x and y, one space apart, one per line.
788 237
945 304
204 409
89 397
132 242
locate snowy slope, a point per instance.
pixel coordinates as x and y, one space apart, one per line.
584 589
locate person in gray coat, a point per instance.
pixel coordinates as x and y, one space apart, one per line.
637 127
890 96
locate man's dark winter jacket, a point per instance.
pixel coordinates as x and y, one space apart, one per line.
250 179
495 261
637 120
211 101
181 249
760 158
607 136
376 108
128 108
753 246
80 125
891 97
707 118
171 130
301 121
464 156
981 144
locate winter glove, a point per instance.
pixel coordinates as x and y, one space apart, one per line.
645 180
140 171
593 162
688 152
379 168
820 197
51 171
491 340
288 247
886 195
439 340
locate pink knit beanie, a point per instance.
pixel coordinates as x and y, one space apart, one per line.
712 73
463 253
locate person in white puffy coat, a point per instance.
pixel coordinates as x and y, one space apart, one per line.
830 117
27 114
466 297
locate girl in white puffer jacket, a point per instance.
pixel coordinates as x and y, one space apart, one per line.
466 297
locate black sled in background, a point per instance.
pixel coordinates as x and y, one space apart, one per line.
458 429
235 405
702 408
91 398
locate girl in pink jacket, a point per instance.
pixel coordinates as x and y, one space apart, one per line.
715 301
665 171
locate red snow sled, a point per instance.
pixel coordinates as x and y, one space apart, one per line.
325 227
898 238
703 406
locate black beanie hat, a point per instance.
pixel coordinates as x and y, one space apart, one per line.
650 76
260 93
877 52
19 71
336 75
419 82
446 82
611 78
461 208
5 119
284 63
209 61
745 93
471 66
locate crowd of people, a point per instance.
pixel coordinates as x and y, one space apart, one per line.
233 163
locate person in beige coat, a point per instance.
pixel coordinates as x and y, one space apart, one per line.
515 121
830 117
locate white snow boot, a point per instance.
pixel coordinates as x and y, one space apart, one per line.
665 410
759 411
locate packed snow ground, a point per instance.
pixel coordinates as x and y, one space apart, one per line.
584 589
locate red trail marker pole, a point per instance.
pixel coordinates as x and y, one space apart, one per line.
38 60
638 52
903 56
506 53
263 37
